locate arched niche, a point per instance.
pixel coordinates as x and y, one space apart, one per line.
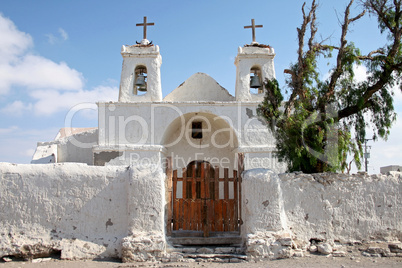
201 137
140 76
256 75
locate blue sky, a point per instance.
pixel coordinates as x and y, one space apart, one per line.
56 54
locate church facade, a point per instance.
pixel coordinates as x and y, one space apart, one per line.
198 121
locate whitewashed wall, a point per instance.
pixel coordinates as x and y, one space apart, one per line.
134 56
343 207
284 212
119 211
143 127
83 211
248 57
75 148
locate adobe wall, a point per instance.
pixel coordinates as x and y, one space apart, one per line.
343 207
79 210
118 211
292 210
74 148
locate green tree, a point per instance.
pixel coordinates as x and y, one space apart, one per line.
313 128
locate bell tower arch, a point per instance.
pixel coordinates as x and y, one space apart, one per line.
140 64
254 64
140 76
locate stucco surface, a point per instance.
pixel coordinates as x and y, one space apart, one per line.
83 211
119 211
199 87
76 147
344 207
134 56
283 214
247 58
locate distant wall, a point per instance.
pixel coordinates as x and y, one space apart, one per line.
75 148
78 147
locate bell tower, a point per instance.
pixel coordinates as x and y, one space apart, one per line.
254 64
140 76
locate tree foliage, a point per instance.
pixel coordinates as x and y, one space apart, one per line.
314 127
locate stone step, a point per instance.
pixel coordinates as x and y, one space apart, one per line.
209 250
207 254
215 256
183 241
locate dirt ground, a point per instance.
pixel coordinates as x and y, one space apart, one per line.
313 261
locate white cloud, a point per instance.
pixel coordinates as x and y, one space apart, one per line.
49 102
8 130
54 87
53 39
18 145
19 67
360 73
17 108
63 34
12 42
38 72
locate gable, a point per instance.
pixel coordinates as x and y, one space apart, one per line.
199 87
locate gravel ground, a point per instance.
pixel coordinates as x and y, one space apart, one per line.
312 261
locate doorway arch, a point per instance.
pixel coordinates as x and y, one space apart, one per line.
201 136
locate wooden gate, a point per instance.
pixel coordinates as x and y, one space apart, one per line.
201 203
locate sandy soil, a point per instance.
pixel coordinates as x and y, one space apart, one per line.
313 261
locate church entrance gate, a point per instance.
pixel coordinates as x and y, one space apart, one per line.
201 203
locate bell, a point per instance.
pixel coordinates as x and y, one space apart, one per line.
142 88
255 81
140 83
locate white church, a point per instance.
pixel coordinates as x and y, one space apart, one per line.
198 121
184 176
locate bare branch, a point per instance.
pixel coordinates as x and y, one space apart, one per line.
370 55
341 52
288 71
358 16
313 30
297 78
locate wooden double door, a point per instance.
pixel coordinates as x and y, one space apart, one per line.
202 203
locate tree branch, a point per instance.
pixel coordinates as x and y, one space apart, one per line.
341 52
370 55
298 76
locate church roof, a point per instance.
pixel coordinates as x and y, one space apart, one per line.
199 87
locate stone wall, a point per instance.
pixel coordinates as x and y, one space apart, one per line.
74 148
77 210
343 207
83 211
291 212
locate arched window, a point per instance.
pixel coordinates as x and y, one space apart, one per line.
256 86
140 80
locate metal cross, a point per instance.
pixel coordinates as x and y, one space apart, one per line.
145 24
253 26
